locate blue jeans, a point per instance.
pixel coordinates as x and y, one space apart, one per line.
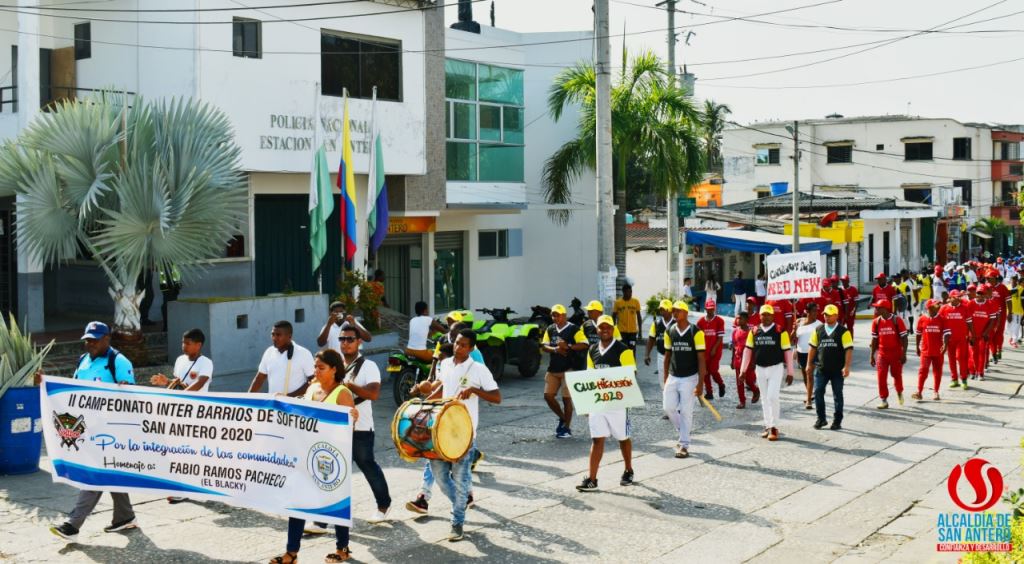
295 527
362 455
427 487
821 378
456 481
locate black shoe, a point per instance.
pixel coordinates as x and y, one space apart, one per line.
721 390
419 505
66 531
836 425
588 485
820 423
477 457
469 502
709 396
627 478
122 526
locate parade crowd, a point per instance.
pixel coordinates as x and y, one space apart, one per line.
962 314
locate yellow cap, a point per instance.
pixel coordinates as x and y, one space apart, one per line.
605 319
595 306
665 305
681 305
454 316
831 309
767 309
558 308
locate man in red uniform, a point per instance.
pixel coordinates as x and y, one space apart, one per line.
831 293
957 318
888 350
850 313
783 315
884 291
1000 295
746 380
985 317
932 338
713 327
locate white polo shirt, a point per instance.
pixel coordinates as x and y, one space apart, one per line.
369 373
185 368
275 365
332 337
469 374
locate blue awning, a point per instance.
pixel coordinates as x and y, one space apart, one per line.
755 241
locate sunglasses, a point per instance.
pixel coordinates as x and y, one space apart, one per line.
347 339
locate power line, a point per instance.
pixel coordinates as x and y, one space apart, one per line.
178 10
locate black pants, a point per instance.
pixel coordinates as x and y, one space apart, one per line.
835 379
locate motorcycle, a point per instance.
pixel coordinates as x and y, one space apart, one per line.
502 340
542 314
407 370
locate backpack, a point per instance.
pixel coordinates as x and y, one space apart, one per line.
111 355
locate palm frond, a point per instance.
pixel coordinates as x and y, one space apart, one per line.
574 85
561 170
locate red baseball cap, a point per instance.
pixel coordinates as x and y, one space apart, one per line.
879 275
972 288
882 303
954 294
845 278
710 304
751 300
826 282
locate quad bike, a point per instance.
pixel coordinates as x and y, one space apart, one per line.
542 314
502 340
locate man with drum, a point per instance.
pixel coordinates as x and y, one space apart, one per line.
460 378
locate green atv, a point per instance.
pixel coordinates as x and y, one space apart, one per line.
502 340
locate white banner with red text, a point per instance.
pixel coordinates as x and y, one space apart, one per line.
794 275
276 454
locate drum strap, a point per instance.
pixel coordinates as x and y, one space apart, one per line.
352 372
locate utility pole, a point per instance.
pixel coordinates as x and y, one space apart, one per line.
796 186
672 229
605 207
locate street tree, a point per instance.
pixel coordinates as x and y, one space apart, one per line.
654 124
147 186
712 121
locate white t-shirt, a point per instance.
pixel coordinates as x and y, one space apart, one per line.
972 277
184 368
687 292
469 374
418 329
275 365
332 337
803 336
760 289
369 373
938 286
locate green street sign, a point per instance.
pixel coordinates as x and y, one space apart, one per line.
685 207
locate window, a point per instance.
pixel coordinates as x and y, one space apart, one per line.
763 194
358 63
840 154
1007 194
880 147
494 244
965 191
918 195
83 41
485 127
1005 151
962 148
247 38
767 157
1016 170
921 151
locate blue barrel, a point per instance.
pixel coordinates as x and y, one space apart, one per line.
21 431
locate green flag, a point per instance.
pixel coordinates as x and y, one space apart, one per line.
321 205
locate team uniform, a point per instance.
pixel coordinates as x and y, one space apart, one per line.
889 331
957 319
683 346
747 379
714 337
830 345
1000 294
558 365
1016 311
983 312
932 331
850 316
588 334
783 315
924 293
614 423
768 345
887 292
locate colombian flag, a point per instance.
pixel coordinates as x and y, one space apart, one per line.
347 186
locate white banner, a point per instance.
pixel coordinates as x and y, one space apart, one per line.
271 453
606 389
794 275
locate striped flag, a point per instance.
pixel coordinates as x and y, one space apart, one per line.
377 215
321 202
347 186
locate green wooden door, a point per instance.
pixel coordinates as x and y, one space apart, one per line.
282 253
928 238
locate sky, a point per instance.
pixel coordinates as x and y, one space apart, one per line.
888 31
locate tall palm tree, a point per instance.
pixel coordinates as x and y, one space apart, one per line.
994 227
712 121
653 123
143 187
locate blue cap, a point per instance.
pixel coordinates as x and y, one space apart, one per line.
96 330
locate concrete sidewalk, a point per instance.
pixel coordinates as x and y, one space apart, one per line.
868 493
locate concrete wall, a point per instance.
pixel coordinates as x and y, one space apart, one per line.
238 350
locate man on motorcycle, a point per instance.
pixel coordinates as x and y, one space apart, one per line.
420 328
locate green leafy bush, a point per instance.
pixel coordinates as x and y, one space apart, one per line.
357 294
19 358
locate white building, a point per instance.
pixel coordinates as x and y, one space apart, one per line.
456 239
963 171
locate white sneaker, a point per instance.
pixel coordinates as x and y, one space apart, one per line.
379 516
314 529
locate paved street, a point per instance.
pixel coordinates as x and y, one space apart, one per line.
868 493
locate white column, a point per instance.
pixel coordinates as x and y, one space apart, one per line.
915 245
843 256
30 272
895 247
428 269
864 266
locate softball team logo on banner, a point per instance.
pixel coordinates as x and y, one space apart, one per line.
975 529
327 466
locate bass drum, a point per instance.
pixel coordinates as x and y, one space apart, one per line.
433 429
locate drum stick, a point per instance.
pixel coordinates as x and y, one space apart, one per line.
708 405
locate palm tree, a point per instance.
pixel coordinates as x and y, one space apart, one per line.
712 121
653 123
995 228
143 187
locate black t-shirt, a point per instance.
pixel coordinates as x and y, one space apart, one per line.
611 357
768 346
686 345
660 325
831 355
552 336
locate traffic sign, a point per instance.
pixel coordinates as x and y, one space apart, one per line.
686 206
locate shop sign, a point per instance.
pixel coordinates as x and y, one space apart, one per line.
403 225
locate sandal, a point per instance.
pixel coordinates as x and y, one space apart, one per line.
341 555
291 558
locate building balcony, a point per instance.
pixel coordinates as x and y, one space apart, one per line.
1009 214
1009 170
